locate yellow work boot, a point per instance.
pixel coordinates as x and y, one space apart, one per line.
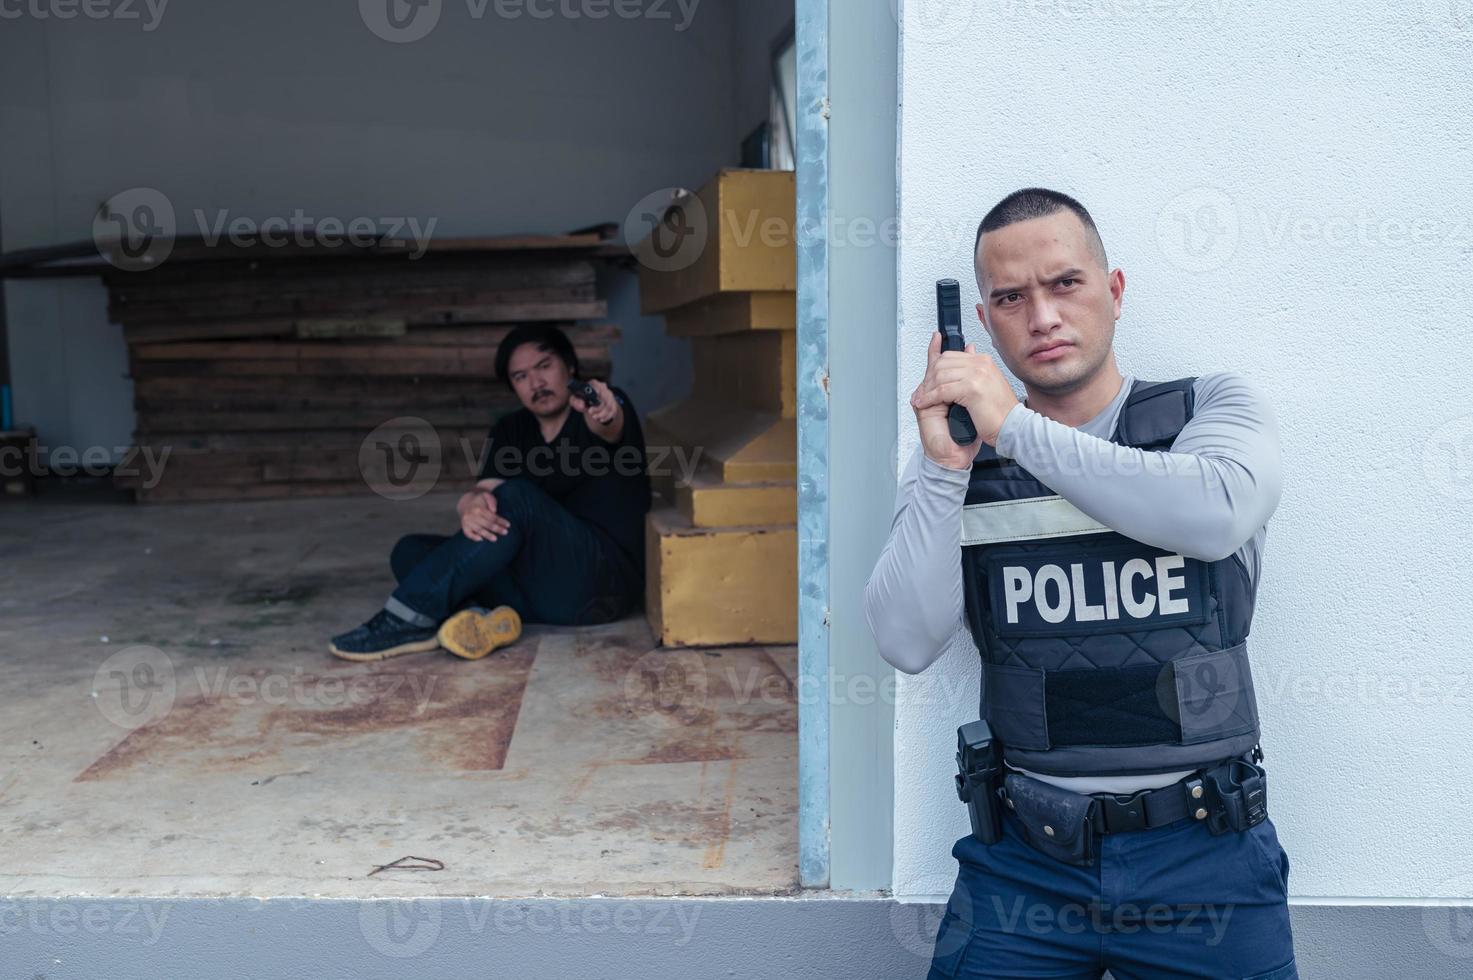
472 633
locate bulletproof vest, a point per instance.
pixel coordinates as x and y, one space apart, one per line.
1103 654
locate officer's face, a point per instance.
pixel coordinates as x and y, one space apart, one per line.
540 379
1047 302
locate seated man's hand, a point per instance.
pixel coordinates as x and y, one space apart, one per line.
606 419
479 520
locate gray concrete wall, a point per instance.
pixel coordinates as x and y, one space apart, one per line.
486 124
648 939
863 97
759 23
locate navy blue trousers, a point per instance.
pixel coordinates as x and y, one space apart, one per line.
1172 902
549 566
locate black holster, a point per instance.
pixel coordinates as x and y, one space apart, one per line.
978 761
1234 794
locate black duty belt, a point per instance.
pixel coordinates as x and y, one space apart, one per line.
1150 807
1209 795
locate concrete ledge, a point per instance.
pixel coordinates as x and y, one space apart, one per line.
819 935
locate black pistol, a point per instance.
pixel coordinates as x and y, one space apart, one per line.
585 391
949 323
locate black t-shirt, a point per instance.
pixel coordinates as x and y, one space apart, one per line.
605 484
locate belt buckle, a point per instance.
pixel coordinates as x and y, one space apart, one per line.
1123 813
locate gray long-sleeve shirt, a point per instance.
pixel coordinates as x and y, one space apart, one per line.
1210 497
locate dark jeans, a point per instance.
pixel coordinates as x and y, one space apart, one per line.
1158 904
550 567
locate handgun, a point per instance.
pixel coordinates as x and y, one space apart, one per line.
949 323
585 391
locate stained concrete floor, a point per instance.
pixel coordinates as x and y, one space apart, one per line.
173 725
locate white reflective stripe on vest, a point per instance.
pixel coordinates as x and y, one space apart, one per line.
1023 520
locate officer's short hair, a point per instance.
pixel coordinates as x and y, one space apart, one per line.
1039 202
545 336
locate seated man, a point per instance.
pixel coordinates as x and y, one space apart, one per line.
553 532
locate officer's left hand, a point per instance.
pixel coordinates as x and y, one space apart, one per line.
605 412
971 380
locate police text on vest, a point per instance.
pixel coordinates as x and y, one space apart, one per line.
1139 588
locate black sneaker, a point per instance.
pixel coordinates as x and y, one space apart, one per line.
385 635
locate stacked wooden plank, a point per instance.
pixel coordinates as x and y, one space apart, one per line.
265 375
722 553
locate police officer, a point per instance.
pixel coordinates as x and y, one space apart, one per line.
1102 542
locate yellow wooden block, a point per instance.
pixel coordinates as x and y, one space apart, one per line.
719 586
748 242
751 370
734 313
706 502
735 445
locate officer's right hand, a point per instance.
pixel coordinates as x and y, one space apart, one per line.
479 520
931 414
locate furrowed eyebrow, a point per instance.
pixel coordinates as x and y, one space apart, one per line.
541 363
1066 274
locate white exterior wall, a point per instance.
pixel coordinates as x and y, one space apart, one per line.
1287 188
